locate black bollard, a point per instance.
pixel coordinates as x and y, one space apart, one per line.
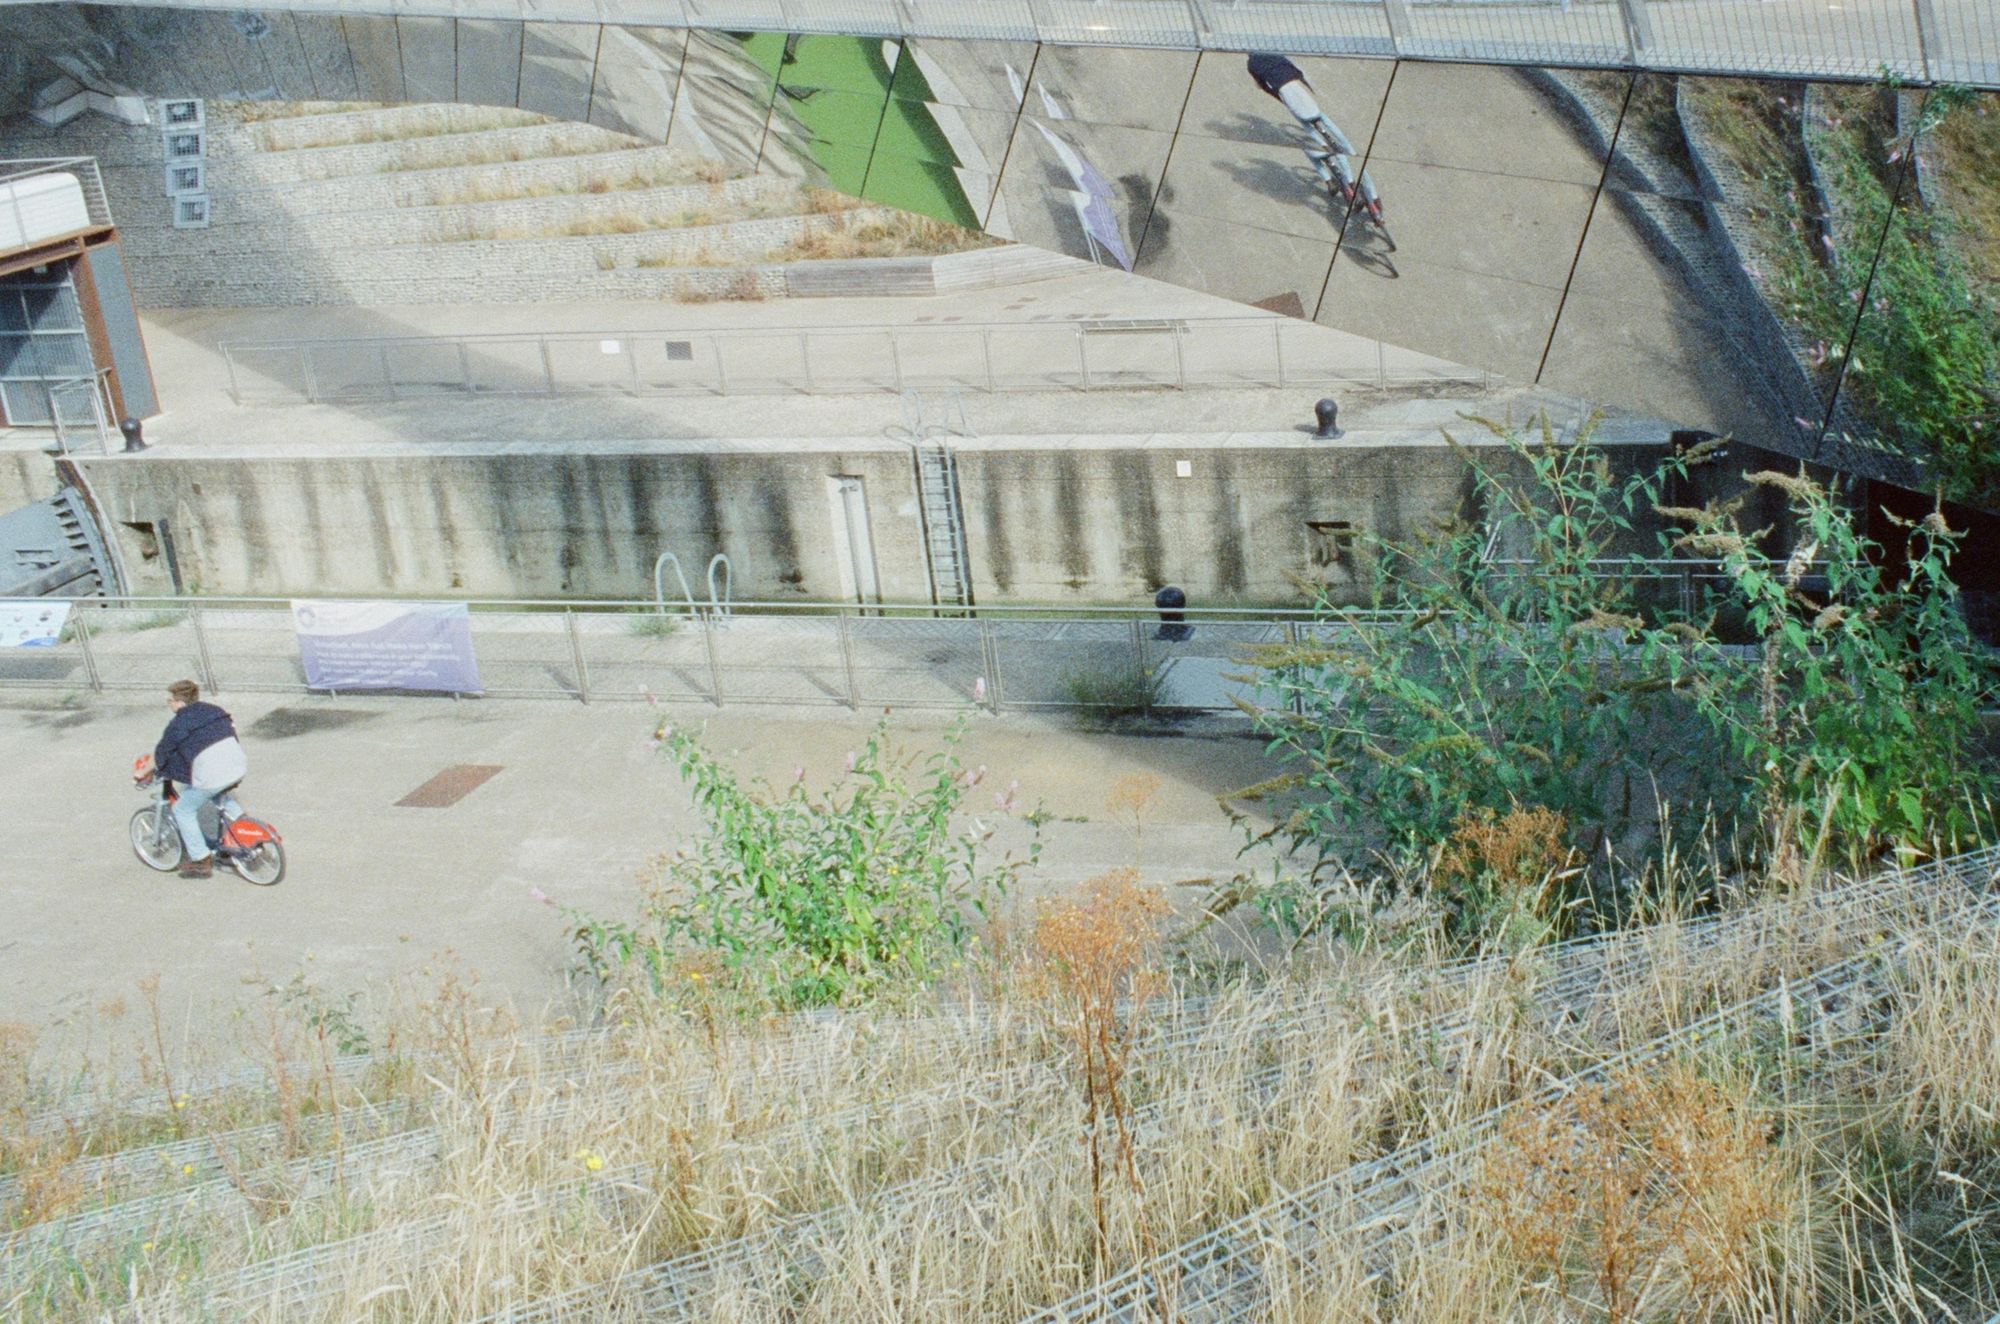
134 443
1328 414
1172 603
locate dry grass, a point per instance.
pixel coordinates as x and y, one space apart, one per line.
650 174
445 121
880 234
880 1166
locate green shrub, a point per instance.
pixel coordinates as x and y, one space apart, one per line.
809 899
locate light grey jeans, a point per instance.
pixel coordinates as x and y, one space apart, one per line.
187 816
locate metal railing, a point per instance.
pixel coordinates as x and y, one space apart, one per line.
80 413
991 357
1915 40
16 169
794 654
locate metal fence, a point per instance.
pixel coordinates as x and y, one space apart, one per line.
1917 40
979 357
14 170
837 655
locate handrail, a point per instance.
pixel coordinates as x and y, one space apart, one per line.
659 589
720 605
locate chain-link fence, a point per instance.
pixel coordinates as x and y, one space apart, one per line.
997 659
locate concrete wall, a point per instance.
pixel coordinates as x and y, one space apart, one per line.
25 476
511 525
1049 519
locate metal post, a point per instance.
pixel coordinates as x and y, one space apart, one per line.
201 649
1398 19
388 373
989 654
1292 645
986 348
844 629
714 663
89 660
576 655
896 362
1926 19
1638 28
229 359
308 374
464 368
548 367
632 360
1083 358
721 373
1139 662
806 356
1278 349
1180 359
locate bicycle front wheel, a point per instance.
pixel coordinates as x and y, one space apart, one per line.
155 839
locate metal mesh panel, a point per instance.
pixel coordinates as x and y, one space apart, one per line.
779 659
523 653
649 655
1210 669
1327 29
1084 664
252 649
59 667
921 662
1856 41
1965 41
1590 31
143 647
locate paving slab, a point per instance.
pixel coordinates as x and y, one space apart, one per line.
581 802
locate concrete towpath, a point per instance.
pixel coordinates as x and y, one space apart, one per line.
580 803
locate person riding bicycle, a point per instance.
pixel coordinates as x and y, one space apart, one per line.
1284 81
200 751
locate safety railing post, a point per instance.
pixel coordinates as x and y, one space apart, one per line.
806 356
632 362
229 361
714 661
1638 27
1083 357
89 658
989 656
896 361
1140 675
1292 646
464 369
1180 358
202 657
1926 20
1278 349
308 375
388 373
576 656
986 348
548 367
845 630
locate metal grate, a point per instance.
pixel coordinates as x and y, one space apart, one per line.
191 213
183 113
190 145
185 179
450 786
680 351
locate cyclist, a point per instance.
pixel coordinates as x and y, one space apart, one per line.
1282 79
200 752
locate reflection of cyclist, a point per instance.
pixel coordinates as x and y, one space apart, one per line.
1282 79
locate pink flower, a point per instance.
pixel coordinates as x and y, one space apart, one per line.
798 772
978 775
1007 799
850 760
1801 422
537 894
979 689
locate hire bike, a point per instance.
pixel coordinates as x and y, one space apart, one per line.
248 845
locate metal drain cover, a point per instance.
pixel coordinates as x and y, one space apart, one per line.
450 786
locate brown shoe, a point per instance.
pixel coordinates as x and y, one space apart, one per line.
201 868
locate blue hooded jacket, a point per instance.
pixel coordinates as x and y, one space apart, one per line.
193 729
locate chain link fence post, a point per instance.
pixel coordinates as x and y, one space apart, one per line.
989 653
714 662
845 630
89 659
201 649
576 655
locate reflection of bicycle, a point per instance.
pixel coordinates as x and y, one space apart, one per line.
1332 156
1332 160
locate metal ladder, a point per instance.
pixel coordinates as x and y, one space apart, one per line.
937 493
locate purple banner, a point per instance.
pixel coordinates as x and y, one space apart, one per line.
387 646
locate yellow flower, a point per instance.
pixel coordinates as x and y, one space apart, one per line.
590 1159
187 1169
180 1103
147 1246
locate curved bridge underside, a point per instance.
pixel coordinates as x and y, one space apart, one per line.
1778 260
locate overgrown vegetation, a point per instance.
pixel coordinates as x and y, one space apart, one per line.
806 899
1552 680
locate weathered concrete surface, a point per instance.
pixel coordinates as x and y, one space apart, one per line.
376 891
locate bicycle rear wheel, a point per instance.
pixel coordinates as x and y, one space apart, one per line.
263 864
